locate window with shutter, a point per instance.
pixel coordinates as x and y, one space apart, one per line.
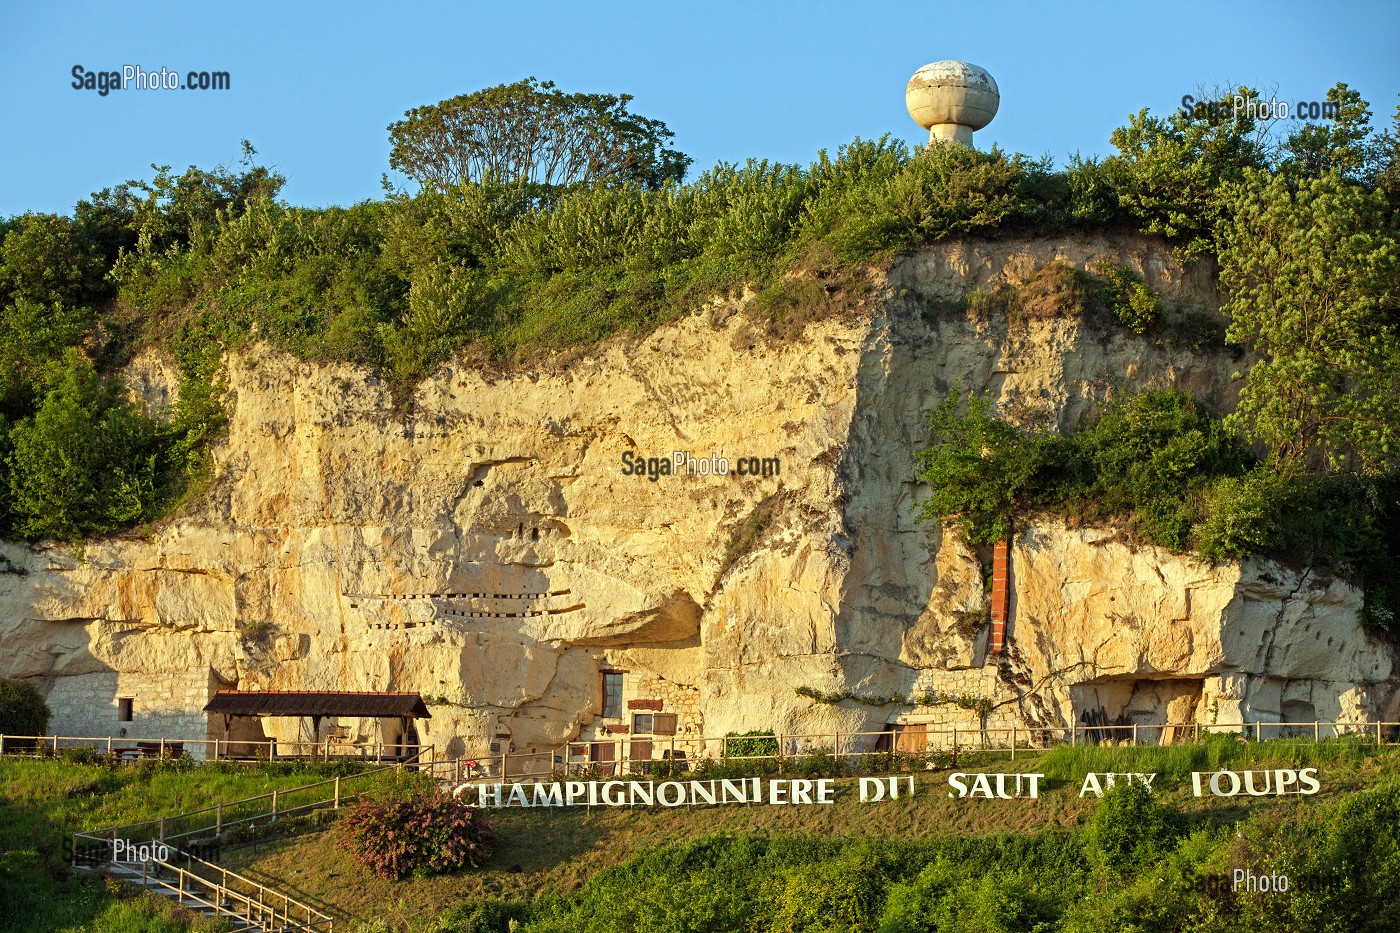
664 724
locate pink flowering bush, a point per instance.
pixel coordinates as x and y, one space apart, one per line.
422 834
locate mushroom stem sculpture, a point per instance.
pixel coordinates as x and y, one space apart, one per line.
950 99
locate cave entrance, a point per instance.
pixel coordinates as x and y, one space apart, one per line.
1124 709
1299 719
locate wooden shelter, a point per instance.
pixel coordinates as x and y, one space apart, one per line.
317 705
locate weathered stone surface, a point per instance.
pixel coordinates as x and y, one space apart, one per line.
485 548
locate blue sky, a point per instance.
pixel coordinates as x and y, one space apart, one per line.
314 86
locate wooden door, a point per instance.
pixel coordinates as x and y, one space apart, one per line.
603 754
911 737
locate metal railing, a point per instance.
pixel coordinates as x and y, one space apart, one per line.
644 753
135 749
215 822
232 895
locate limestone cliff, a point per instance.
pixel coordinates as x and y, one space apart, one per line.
485 546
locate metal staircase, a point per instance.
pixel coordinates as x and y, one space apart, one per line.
208 889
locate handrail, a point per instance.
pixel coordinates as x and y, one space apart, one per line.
225 874
243 906
105 834
271 794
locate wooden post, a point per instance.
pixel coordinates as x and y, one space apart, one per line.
162 747
337 793
162 829
219 820
109 746
1135 735
1013 741
274 806
503 762
1317 730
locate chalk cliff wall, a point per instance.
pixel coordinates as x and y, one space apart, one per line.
483 545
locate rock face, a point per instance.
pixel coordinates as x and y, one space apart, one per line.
503 543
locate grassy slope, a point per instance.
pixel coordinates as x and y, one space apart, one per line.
559 851
43 802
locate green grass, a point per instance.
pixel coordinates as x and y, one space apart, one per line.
563 856
42 802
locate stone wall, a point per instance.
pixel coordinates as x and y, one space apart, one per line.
163 705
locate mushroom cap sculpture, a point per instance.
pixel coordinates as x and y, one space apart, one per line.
950 99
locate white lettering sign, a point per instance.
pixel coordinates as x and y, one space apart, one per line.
1096 782
1273 783
982 785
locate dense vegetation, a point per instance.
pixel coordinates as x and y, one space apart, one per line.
1161 469
497 270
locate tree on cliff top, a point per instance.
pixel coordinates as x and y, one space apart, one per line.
531 132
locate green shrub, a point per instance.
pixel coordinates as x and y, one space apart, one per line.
1123 291
1129 829
1243 515
23 710
840 896
950 899
422 834
86 463
982 470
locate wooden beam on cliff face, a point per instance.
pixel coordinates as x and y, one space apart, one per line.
1001 593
